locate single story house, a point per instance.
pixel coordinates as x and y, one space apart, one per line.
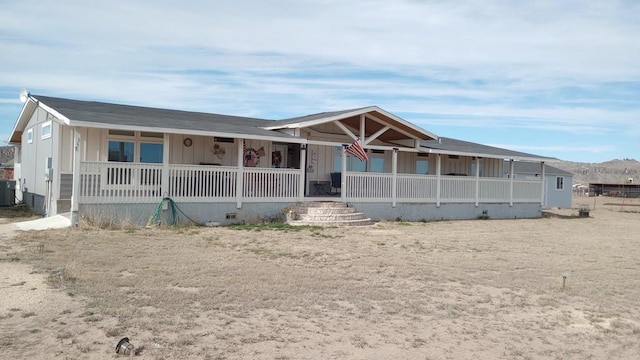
558 183
110 161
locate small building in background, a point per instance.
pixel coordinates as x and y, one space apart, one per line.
628 189
558 183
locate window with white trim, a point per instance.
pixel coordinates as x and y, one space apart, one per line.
121 151
45 130
473 168
135 146
30 136
422 166
353 163
559 183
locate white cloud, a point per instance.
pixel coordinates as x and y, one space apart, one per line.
470 64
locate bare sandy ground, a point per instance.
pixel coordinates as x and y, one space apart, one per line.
481 289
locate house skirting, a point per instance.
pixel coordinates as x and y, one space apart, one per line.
202 213
228 213
35 202
448 211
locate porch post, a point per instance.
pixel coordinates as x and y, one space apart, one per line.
438 171
164 185
75 186
542 175
240 173
394 170
511 169
477 181
303 171
343 178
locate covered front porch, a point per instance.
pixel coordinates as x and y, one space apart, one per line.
407 173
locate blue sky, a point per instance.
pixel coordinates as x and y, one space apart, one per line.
553 78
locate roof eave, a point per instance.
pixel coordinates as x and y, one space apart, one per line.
491 156
23 119
97 125
322 120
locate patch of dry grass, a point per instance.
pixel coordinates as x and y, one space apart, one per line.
483 289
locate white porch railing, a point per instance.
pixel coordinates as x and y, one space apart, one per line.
202 183
113 182
119 182
373 187
271 184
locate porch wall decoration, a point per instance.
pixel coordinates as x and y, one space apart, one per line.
252 156
219 151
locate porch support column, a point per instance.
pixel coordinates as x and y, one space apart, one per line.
303 171
75 186
542 176
394 170
477 181
164 185
240 173
362 133
438 171
343 177
511 170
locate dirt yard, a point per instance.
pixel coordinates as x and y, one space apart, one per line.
480 289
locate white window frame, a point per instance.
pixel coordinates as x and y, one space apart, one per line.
373 156
46 124
559 183
29 136
424 160
136 138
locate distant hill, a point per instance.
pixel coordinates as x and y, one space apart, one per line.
613 171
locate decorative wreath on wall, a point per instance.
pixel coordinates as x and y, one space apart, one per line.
252 156
218 151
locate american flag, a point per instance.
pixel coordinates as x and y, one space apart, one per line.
356 150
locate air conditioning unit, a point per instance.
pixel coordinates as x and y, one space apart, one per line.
7 192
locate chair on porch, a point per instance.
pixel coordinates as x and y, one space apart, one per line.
336 182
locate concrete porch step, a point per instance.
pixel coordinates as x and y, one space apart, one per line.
331 217
328 213
360 222
322 204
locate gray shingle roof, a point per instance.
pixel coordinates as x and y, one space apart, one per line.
127 115
311 117
534 168
454 145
